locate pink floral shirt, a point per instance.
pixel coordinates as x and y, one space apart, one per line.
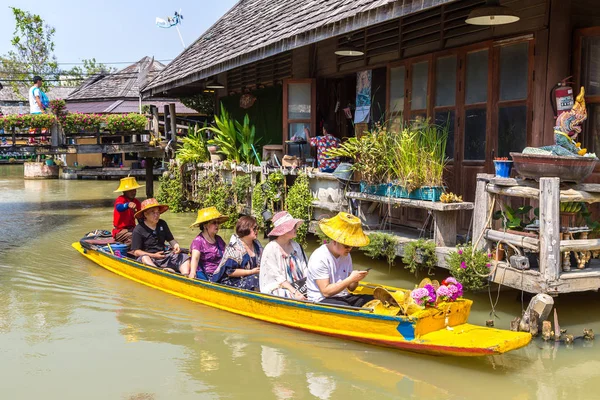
324 143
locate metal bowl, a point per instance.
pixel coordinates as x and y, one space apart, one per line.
568 169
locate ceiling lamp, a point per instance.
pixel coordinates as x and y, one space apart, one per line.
491 14
213 84
349 50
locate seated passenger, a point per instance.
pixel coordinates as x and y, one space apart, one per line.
126 206
330 274
283 260
240 265
149 237
207 248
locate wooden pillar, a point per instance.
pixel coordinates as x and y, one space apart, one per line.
149 177
482 206
166 120
172 116
155 127
550 229
444 233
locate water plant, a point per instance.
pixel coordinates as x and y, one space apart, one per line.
298 202
381 245
470 266
420 255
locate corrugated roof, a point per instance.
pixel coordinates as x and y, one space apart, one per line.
256 29
123 84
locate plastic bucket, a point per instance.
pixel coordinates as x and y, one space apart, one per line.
119 249
503 168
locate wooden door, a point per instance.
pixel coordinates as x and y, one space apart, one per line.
299 112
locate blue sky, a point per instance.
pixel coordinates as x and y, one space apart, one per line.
115 30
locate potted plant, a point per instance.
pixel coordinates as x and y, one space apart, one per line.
470 266
503 167
515 220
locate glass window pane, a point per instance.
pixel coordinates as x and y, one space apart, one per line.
475 123
513 71
299 100
590 65
397 76
445 81
420 74
592 129
477 77
512 130
298 132
445 119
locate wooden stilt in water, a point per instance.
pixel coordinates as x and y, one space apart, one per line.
149 177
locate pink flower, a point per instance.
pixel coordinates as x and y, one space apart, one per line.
489 255
488 265
460 252
463 265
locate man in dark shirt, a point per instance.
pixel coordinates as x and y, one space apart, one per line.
149 237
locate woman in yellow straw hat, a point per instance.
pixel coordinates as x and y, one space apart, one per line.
149 237
330 274
125 207
207 248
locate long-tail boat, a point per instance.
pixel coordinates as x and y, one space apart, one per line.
442 330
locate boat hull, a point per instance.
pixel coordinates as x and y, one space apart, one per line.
424 334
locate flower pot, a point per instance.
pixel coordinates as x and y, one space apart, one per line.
430 193
343 172
503 168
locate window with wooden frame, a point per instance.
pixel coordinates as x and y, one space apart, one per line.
586 66
299 105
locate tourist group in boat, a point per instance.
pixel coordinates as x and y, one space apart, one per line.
281 268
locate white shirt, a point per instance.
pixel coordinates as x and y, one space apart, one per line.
323 265
33 105
274 268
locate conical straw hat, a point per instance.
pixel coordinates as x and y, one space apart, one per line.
209 214
346 229
128 183
148 204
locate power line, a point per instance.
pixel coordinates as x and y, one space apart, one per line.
99 62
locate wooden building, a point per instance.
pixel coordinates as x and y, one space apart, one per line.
492 83
118 93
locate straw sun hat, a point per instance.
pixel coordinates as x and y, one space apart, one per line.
283 222
346 229
209 214
127 184
148 204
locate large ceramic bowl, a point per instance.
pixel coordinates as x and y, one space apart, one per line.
568 169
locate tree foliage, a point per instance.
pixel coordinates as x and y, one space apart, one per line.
90 67
33 50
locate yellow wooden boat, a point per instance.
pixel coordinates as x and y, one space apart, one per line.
439 331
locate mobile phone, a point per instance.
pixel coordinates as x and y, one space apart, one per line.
367 270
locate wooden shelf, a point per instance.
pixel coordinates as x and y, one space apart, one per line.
428 205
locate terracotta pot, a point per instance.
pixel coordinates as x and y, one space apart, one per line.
499 253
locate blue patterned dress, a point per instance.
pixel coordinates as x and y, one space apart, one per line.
235 257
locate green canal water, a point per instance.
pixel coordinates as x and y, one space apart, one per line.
71 330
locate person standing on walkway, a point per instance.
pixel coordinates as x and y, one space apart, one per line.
126 205
330 275
38 102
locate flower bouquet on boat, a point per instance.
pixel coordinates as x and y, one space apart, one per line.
429 319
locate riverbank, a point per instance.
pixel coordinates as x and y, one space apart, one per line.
82 332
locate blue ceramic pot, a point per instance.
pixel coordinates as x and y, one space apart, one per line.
503 168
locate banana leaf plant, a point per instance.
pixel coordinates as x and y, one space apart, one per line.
225 135
246 139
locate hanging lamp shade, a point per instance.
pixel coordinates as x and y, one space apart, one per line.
214 84
348 50
492 14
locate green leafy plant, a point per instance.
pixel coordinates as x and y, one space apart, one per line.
265 195
241 188
470 267
217 193
170 189
381 245
298 202
420 255
515 219
235 140
204 103
193 148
